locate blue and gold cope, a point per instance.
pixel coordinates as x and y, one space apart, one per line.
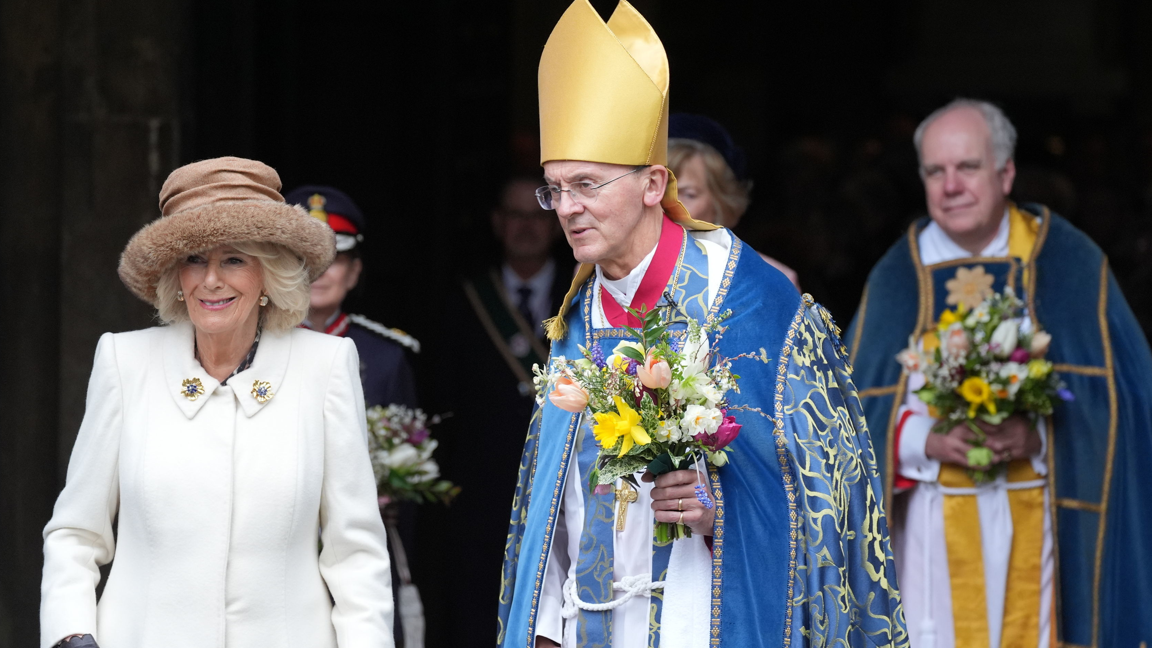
1099 444
801 553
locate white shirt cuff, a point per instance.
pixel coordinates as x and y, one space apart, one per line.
914 463
549 622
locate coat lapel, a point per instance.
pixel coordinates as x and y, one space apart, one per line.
180 365
266 373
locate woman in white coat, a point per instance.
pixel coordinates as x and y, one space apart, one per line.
214 448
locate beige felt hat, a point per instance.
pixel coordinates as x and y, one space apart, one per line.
219 201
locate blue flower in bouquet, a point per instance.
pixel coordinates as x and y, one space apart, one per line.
597 355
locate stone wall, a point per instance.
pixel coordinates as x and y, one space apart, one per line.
89 128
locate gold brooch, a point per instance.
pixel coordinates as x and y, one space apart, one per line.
262 391
192 388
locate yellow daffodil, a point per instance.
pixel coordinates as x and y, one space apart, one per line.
977 392
1039 369
623 426
951 316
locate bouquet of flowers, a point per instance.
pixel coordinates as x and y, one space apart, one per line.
985 364
658 402
401 447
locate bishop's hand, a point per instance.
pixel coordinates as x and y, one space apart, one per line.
674 500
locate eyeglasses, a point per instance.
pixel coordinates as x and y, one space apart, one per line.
581 192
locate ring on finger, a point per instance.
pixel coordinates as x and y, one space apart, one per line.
681 518
680 504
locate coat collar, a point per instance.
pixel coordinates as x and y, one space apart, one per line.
180 365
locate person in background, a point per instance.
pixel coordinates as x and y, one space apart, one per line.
495 327
711 173
384 367
214 448
979 564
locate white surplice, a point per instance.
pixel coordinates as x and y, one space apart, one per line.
687 611
920 549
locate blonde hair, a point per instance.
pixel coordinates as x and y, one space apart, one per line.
730 195
285 283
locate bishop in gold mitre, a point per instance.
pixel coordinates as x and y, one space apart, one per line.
789 541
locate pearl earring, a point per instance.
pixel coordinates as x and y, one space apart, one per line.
179 295
264 300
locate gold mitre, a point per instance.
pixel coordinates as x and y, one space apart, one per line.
604 95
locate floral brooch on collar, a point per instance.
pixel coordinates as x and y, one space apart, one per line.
192 388
262 391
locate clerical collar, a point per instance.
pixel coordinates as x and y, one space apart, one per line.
937 247
624 288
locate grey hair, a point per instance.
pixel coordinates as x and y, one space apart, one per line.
1003 133
285 283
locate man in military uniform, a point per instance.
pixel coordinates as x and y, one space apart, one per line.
384 368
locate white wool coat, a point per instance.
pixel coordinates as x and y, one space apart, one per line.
218 502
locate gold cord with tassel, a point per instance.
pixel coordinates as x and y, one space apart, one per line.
556 327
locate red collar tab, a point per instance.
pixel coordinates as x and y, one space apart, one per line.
655 279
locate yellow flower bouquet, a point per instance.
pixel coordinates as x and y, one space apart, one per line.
657 402
984 364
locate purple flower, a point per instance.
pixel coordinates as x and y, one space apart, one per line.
1065 395
1020 355
632 364
418 436
597 355
603 489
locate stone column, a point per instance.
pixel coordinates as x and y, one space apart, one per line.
29 289
90 98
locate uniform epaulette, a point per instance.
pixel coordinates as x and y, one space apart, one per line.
394 334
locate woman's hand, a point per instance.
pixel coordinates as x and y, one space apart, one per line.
77 641
674 500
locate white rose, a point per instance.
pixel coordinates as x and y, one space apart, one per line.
429 470
403 456
1003 340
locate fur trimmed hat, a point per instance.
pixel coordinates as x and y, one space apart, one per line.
219 201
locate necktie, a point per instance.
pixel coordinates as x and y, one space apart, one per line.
525 308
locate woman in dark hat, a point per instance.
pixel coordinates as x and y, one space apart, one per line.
711 174
214 447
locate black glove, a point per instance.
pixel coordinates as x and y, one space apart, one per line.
83 641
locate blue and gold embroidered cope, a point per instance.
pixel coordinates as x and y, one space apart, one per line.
801 553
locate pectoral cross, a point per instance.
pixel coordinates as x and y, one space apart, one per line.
625 495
